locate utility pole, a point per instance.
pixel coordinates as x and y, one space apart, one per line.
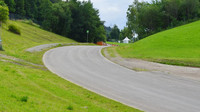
87 34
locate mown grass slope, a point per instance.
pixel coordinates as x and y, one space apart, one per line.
178 46
15 45
25 87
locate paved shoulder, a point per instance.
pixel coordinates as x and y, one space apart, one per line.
41 47
85 66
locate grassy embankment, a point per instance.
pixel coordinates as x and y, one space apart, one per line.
32 88
177 46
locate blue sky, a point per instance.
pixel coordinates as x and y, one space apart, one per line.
113 11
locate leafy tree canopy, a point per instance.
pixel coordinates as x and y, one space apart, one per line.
114 34
4 12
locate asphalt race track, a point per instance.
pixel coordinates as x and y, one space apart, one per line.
148 91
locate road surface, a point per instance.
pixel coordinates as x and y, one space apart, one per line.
151 92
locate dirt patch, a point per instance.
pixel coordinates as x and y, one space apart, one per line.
141 65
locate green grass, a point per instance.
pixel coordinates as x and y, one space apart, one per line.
111 51
27 88
116 43
178 46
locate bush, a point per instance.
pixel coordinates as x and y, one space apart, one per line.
70 107
24 99
14 29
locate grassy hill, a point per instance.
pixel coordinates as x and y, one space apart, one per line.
178 46
15 45
27 86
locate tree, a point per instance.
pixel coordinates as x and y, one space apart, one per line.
108 30
4 12
45 14
150 19
85 17
133 20
31 9
114 34
125 33
91 22
172 10
77 23
172 7
11 5
20 7
55 1
61 20
189 9
101 34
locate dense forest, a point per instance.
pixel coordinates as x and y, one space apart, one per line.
146 18
70 18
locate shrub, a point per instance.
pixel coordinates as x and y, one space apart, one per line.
14 29
70 107
24 99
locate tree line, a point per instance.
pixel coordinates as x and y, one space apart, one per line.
70 18
146 18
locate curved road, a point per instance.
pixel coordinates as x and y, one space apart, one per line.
151 92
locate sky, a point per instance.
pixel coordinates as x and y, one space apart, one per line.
113 11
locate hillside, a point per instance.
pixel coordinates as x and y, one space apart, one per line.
27 86
178 46
15 45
